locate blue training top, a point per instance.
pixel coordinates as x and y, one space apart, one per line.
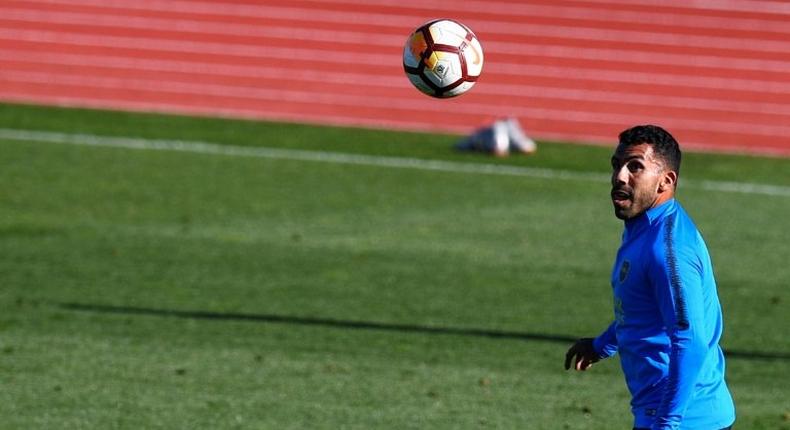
667 324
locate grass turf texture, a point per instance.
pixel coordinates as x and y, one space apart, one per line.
308 252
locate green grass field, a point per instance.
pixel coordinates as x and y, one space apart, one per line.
168 290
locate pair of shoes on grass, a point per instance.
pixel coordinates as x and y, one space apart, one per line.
503 137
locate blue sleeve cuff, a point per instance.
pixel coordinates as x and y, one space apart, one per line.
606 344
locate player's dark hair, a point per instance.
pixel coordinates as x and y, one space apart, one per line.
662 142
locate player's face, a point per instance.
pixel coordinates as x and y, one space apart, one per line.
636 175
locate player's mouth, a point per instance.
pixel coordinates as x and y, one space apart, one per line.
620 197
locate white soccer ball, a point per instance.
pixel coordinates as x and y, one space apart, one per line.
443 58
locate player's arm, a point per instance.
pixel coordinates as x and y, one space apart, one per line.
677 274
587 351
606 344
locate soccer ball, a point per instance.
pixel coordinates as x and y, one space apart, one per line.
443 58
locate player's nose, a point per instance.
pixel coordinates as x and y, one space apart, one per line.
620 176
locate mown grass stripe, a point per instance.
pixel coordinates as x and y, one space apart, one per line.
201 147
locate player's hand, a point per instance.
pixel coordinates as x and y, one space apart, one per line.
582 354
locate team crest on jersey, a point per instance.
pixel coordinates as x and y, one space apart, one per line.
624 268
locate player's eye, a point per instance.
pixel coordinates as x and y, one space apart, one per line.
635 166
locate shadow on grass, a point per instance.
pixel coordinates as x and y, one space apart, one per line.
364 325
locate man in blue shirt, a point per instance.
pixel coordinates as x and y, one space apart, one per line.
667 317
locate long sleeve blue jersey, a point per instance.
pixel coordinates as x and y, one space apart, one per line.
667 324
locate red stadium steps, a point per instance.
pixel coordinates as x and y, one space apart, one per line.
573 70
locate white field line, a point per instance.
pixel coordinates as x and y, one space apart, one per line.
338 119
199 147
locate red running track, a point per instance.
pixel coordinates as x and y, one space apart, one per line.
715 73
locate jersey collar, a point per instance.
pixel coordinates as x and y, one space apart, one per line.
650 217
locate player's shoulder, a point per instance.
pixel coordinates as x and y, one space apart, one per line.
677 239
681 230
675 229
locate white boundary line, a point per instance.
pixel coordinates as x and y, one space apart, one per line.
199 147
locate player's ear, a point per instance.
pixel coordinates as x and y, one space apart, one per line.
668 181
